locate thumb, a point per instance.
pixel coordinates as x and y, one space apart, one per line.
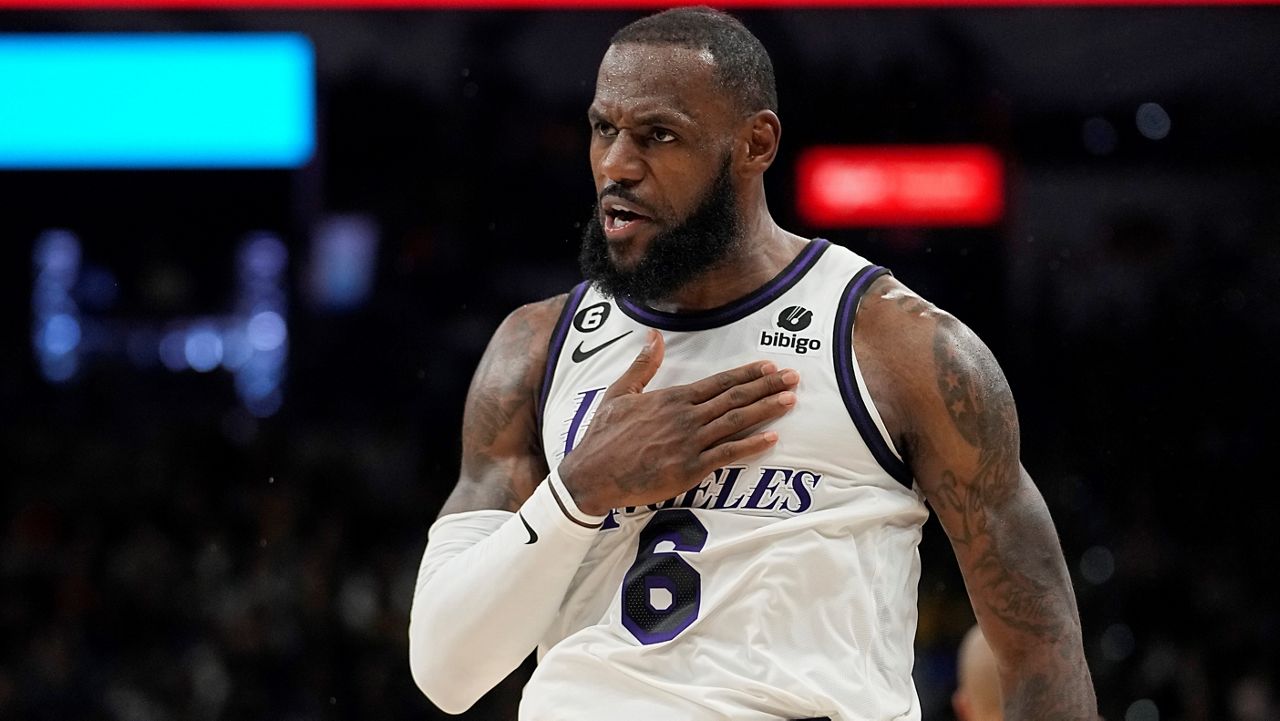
642 369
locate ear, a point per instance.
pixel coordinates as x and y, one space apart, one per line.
761 136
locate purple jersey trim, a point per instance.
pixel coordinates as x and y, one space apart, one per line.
557 344
738 309
848 382
584 407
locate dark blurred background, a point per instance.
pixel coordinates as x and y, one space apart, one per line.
240 541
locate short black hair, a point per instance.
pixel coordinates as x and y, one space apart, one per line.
743 68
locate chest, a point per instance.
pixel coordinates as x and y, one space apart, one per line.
817 444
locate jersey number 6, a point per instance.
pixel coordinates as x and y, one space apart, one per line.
661 591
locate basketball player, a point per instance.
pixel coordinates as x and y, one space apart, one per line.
977 696
696 483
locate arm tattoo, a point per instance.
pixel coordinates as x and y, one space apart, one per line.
977 397
500 396
1005 538
501 450
495 409
982 411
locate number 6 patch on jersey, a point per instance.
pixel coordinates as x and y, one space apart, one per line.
661 592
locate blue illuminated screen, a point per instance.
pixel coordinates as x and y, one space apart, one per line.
156 101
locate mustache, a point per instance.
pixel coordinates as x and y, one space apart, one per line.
619 191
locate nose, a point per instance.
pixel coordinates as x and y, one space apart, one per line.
621 162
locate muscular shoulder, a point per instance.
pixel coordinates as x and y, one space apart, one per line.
501 458
933 379
524 335
510 372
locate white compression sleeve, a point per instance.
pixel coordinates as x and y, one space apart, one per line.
489 586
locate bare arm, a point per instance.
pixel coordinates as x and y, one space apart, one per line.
952 414
502 459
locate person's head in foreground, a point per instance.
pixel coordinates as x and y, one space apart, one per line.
977 696
684 125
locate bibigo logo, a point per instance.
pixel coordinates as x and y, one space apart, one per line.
791 320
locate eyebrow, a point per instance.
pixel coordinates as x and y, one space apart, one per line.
652 117
663 117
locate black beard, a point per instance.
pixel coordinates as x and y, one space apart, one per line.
674 257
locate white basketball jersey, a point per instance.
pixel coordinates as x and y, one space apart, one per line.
780 587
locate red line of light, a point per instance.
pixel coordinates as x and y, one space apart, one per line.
581 4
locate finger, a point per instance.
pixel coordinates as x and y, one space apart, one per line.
737 420
642 369
712 386
733 451
748 393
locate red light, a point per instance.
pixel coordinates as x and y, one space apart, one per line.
900 185
579 4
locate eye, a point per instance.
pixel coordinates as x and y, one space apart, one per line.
605 130
662 135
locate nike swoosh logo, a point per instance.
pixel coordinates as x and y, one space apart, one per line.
533 535
580 355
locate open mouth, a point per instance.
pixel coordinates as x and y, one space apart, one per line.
619 216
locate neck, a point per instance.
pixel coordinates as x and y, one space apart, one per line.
764 251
